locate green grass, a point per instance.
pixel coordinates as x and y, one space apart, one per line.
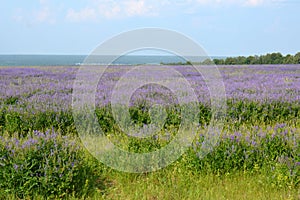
183 179
177 183
270 170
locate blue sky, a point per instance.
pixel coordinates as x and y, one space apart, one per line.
222 27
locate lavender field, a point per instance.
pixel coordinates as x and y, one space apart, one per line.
261 134
51 87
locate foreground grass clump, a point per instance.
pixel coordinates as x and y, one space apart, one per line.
179 182
274 151
45 164
262 165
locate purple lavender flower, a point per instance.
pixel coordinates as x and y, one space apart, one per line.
253 143
16 167
28 143
247 139
232 137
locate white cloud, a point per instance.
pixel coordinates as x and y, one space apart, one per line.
43 14
254 2
96 10
232 2
109 9
82 15
133 7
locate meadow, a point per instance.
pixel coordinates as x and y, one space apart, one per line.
257 155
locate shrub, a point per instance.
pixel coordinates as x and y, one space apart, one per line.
275 151
45 164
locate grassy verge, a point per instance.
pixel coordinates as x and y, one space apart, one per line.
178 183
49 165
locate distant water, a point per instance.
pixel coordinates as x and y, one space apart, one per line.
68 60
40 60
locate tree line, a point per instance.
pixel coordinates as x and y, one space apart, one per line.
270 58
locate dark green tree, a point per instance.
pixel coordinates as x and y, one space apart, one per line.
288 59
297 58
230 61
219 61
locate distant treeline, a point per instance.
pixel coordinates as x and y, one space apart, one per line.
270 58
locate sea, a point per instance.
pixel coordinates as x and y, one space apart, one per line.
71 60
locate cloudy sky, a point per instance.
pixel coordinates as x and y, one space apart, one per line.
221 27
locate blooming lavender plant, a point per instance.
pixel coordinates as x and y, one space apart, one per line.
51 88
38 98
44 163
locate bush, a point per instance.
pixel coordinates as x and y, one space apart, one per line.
45 164
275 151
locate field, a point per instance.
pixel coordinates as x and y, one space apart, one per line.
256 154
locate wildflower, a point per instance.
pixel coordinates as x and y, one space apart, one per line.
232 137
16 167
